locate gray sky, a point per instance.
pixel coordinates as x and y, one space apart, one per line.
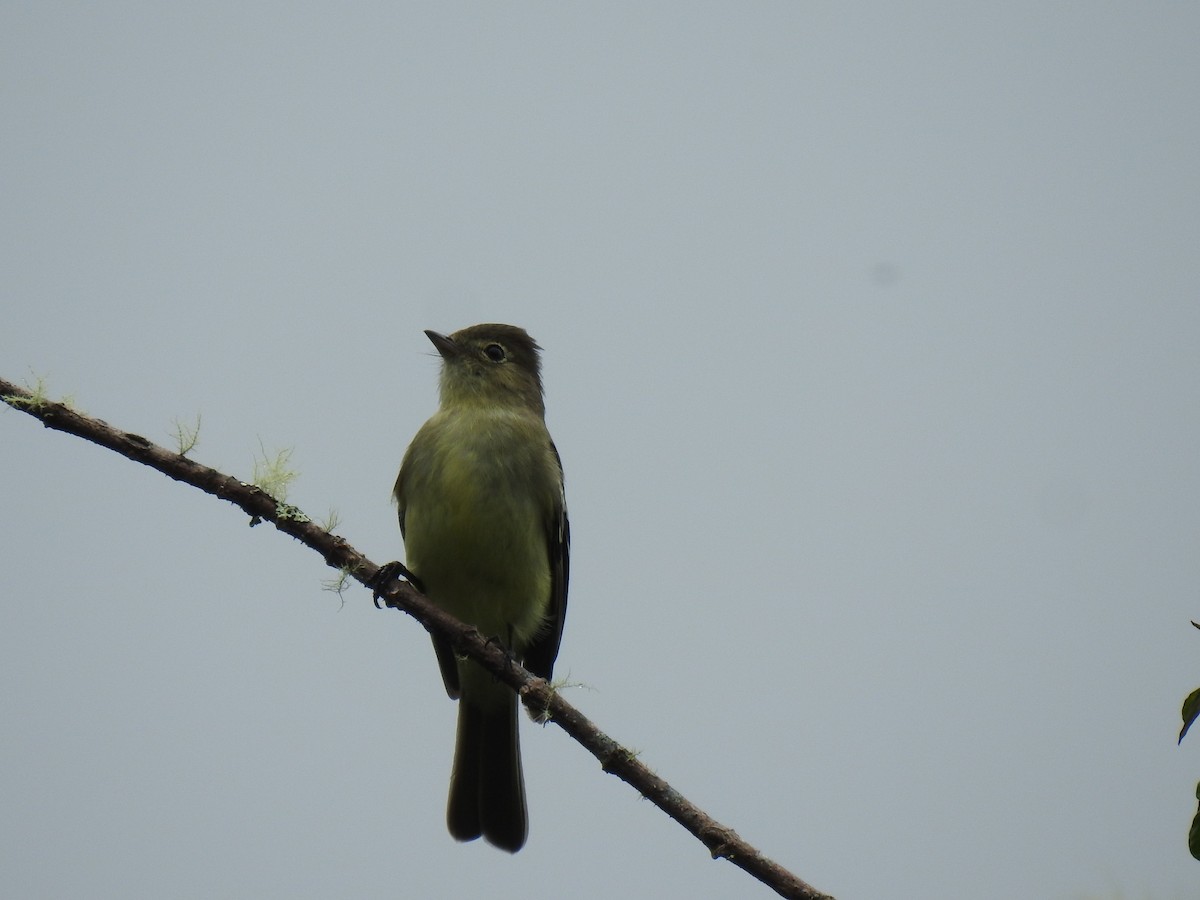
871 351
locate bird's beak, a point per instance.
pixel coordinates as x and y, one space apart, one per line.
445 345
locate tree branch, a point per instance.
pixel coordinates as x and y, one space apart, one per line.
537 694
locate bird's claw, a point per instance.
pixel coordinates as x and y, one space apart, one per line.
388 573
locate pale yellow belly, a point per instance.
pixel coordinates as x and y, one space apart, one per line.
480 548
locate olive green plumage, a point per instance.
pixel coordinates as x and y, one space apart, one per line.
484 520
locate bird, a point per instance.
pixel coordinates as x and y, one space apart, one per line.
483 516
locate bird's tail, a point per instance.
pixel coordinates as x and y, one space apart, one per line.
487 788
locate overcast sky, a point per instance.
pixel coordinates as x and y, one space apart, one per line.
872 351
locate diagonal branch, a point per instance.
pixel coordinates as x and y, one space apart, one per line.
536 693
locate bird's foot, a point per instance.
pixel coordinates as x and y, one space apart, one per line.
509 656
388 573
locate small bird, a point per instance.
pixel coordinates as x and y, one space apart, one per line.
483 515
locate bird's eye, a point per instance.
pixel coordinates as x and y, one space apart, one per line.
495 353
